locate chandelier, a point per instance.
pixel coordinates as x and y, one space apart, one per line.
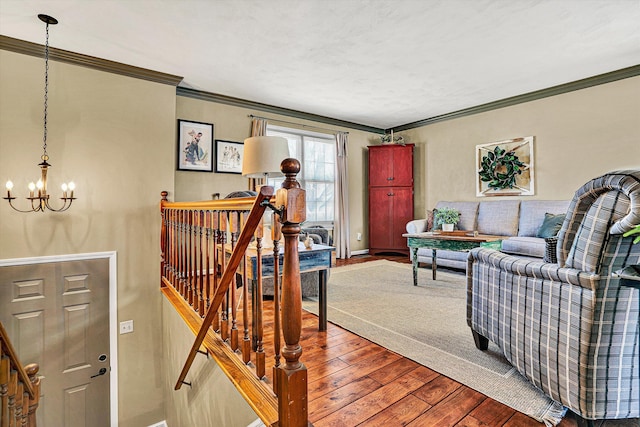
38 194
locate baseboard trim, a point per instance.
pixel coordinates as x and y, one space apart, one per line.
162 423
360 252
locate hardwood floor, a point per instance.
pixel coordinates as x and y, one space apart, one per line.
354 382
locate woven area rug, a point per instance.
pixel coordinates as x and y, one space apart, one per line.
426 323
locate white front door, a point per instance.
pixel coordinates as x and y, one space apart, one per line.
57 315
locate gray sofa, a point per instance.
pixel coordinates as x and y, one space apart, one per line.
517 220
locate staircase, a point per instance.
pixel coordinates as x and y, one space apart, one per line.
19 387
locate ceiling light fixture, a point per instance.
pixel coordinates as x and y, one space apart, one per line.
40 199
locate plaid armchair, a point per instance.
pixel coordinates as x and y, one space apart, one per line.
570 328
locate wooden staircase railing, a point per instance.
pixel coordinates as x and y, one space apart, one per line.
19 387
202 280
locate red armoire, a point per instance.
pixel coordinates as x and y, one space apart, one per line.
390 197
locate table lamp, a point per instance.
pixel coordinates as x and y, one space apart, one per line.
262 156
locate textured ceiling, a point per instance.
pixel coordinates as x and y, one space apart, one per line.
381 63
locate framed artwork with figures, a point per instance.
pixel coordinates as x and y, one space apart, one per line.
229 156
195 143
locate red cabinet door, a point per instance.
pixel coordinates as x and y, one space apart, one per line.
380 211
402 213
403 166
380 166
391 165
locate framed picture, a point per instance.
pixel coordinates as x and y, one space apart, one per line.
229 156
505 168
195 143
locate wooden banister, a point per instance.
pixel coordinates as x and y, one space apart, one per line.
229 274
203 244
19 386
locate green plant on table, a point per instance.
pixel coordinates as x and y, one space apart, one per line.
447 215
634 231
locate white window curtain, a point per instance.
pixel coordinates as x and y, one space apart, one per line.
341 222
258 128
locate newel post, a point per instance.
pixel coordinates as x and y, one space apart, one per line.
291 381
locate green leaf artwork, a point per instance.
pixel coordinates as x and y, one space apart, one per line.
499 168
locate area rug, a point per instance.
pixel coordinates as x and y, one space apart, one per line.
426 323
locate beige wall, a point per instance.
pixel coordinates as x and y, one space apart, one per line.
212 400
115 137
233 124
578 136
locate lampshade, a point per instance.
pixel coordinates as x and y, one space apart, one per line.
262 156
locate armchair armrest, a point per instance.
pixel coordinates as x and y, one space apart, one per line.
416 226
537 269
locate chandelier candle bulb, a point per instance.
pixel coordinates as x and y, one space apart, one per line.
9 186
72 187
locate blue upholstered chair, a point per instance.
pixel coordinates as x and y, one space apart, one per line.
570 328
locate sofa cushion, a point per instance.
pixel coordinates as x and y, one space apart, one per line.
551 225
527 246
499 218
532 214
468 213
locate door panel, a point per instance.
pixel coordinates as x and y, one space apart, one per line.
403 166
57 315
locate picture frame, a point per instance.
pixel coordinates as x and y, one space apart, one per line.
505 168
195 143
229 155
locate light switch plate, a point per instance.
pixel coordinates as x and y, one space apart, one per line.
126 327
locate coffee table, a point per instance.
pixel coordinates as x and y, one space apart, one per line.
453 241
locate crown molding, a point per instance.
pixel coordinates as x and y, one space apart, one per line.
243 103
35 49
613 76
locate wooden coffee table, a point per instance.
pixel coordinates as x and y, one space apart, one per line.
453 241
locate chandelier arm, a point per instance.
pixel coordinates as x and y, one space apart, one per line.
64 206
33 209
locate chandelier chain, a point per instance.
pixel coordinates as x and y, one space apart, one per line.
46 90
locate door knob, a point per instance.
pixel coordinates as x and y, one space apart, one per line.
102 371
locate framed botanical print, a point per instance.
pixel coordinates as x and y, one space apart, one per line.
505 168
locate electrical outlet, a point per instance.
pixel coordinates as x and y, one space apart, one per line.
359 236
126 327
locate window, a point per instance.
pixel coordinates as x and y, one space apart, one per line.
317 155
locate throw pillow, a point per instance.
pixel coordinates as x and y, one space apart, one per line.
429 226
551 225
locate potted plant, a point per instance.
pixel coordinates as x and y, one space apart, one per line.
630 275
447 217
635 230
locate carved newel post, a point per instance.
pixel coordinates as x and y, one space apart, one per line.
292 375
